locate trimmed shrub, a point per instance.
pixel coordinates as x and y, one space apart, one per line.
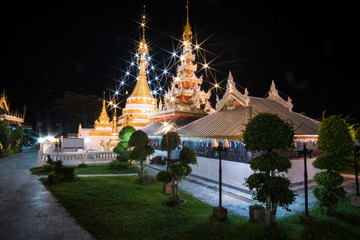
160 160
268 133
47 167
336 141
164 177
61 174
116 164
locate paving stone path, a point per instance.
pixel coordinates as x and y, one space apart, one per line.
27 209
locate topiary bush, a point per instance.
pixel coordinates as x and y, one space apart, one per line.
122 148
164 177
170 141
116 164
47 167
335 140
268 133
141 148
61 174
159 160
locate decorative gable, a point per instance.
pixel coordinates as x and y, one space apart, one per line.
232 96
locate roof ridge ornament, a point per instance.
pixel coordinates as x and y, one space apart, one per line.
274 95
232 96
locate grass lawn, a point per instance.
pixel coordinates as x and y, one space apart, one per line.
121 208
101 169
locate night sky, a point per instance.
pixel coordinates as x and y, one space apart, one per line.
311 49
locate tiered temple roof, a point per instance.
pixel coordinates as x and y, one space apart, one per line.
12 117
184 99
235 109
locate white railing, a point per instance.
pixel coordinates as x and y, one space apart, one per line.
79 156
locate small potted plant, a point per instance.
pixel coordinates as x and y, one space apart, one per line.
256 213
165 177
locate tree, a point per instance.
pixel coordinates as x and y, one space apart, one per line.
141 148
75 108
170 141
122 148
17 138
335 140
4 134
179 169
269 134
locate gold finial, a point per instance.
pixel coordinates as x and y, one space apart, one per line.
187 12
143 24
187 29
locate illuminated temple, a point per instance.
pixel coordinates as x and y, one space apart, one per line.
6 115
185 108
184 102
140 104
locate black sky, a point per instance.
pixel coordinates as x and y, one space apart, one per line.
311 49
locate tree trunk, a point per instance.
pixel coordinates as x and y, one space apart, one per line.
142 169
273 212
168 160
173 187
177 190
268 210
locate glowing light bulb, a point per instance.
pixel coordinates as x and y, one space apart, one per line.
156 78
160 88
182 58
149 82
165 71
196 46
137 78
122 82
132 63
147 71
143 24
152 67
216 85
116 92
115 105
127 73
136 55
205 65
174 54
110 103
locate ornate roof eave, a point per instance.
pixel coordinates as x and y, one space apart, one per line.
274 95
232 93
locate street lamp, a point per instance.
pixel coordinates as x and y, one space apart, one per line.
220 212
305 149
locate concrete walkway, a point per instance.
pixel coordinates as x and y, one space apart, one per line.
27 209
237 201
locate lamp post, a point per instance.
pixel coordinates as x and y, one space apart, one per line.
305 149
220 212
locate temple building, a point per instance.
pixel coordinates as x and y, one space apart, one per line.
6 115
104 135
140 104
184 102
233 111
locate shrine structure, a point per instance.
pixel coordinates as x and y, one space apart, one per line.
140 104
184 101
6 115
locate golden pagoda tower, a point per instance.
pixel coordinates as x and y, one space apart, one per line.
185 99
140 103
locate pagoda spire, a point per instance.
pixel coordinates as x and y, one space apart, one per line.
187 29
103 118
140 103
141 88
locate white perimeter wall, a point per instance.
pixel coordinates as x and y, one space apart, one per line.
234 173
